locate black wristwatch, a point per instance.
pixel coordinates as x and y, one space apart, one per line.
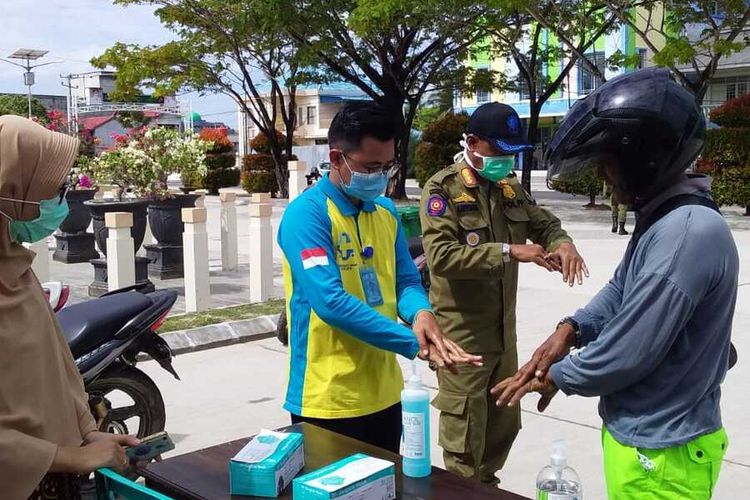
574 324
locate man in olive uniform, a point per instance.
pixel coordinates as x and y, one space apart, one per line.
476 219
619 214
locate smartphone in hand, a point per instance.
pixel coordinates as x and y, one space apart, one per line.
150 447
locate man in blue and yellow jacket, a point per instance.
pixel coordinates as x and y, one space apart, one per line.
348 277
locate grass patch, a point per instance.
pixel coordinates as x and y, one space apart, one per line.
214 316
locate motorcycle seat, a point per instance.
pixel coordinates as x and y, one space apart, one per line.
89 324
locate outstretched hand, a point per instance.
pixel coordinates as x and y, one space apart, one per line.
570 263
436 348
556 347
545 386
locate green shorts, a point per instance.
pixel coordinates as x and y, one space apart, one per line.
678 473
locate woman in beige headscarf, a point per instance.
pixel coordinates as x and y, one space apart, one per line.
47 435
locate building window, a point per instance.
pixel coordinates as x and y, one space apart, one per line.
483 96
723 89
587 80
715 11
300 116
731 91
641 58
312 115
524 91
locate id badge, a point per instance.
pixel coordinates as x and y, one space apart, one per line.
371 286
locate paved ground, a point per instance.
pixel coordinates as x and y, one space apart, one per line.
234 391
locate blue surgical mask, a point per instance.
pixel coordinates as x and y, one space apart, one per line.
365 187
52 213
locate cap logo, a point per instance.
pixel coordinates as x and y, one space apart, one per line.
514 124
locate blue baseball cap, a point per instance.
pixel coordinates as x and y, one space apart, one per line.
499 124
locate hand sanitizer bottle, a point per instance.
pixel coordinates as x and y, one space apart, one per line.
415 408
557 481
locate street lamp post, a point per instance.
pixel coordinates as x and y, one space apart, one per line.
27 56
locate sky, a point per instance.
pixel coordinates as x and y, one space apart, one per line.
74 31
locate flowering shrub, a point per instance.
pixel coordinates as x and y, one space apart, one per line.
219 138
128 168
56 121
145 160
733 113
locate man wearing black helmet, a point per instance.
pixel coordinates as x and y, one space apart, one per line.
657 336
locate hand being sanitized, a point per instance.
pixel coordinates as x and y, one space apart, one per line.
415 408
557 481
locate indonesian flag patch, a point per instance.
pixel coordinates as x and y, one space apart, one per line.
313 257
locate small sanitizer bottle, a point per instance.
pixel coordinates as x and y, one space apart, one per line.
557 481
415 407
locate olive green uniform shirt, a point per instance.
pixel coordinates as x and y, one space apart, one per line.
465 221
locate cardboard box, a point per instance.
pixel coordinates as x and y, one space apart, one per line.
267 464
358 477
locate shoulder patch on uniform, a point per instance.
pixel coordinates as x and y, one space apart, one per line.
469 178
464 198
508 191
436 205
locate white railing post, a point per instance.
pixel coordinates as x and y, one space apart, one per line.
195 242
297 179
261 248
229 250
120 250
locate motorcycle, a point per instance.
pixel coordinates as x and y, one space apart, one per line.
106 335
416 250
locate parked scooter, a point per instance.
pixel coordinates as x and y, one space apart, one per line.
106 335
416 250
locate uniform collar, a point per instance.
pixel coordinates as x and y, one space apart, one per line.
342 202
468 175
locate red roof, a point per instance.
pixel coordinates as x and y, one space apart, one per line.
95 122
151 114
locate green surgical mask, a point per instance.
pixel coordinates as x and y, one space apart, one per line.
52 213
494 168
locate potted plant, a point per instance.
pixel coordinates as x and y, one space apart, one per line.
171 152
73 243
134 174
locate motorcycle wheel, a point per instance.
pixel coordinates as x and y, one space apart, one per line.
282 332
147 403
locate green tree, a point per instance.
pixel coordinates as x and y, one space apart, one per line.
539 34
236 48
587 184
393 50
690 38
439 145
19 105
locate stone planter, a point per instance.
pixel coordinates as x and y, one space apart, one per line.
165 220
98 210
74 244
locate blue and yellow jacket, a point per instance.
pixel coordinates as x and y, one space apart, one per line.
342 361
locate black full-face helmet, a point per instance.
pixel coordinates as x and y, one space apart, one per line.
647 122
